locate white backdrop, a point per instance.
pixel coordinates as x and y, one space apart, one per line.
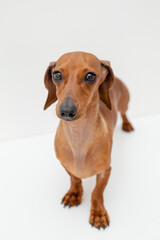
33 33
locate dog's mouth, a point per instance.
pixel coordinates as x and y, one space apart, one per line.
70 117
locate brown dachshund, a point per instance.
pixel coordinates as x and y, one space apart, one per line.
89 97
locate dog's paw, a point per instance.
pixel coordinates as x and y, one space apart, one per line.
127 126
72 198
99 219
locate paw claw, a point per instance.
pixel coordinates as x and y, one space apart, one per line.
98 227
108 223
104 226
92 224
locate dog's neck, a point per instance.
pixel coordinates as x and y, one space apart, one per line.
80 129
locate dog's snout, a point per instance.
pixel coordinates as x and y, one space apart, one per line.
68 109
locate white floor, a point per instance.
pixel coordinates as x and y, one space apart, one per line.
32 183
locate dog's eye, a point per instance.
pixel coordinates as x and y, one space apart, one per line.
90 77
57 76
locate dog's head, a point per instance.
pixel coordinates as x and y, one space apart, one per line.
75 79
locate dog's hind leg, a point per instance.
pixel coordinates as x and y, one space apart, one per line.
126 125
123 105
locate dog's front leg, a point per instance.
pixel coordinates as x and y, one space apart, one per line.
74 195
98 215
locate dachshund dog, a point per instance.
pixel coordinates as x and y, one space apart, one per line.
89 97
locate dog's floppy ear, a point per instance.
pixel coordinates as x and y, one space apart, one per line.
50 86
108 80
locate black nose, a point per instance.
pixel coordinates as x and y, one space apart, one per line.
67 109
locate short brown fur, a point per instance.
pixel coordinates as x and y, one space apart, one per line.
84 145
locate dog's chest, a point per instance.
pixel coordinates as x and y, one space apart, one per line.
78 140
82 149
